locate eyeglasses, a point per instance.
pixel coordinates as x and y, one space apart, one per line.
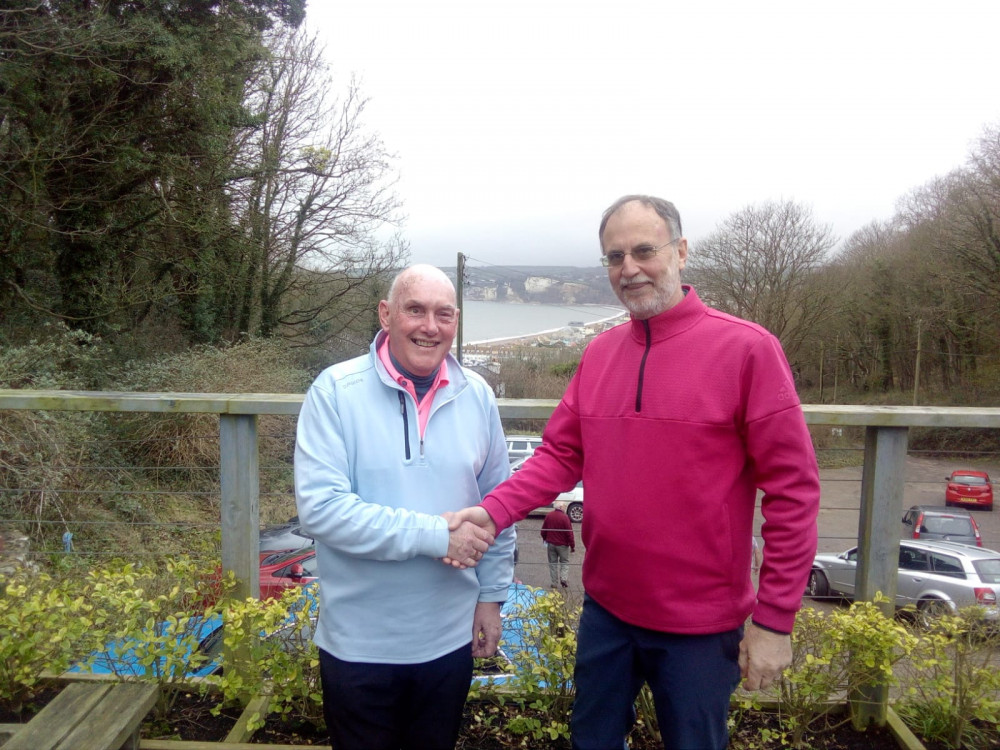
643 252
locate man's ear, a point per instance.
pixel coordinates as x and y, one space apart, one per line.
682 252
383 314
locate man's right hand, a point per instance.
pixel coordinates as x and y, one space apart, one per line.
467 543
477 518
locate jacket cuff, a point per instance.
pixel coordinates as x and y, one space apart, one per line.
770 630
774 619
434 542
501 519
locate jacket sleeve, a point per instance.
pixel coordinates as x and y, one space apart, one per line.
336 516
781 451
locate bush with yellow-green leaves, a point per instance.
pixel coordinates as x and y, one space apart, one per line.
269 653
953 694
134 621
44 623
833 654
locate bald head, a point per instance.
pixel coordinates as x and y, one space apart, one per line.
416 274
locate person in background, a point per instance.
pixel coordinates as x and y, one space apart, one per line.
386 443
557 534
679 395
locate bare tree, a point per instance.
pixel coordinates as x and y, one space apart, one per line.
314 196
761 264
952 227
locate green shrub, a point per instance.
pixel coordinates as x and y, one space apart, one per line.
39 449
541 685
56 358
268 651
154 615
953 696
833 655
44 623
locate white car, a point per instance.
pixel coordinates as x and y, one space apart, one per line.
573 498
521 446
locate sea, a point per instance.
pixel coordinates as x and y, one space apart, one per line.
491 321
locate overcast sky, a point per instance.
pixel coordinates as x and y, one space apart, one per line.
516 123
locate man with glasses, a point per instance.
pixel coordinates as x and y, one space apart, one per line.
386 443
673 421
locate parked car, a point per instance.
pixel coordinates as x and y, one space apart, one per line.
971 488
933 577
935 522
288 535
521 446
283 570
573 498
574 503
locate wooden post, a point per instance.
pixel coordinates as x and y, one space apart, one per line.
882 481
240 501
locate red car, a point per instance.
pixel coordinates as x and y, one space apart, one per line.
283 570
971 488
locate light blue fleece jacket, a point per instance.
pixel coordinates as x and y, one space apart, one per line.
370 492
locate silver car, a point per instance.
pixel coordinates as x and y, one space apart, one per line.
934 577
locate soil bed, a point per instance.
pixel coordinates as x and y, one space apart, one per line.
191 719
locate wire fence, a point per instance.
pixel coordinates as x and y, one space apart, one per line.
109 508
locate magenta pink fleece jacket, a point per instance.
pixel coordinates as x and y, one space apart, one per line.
673 424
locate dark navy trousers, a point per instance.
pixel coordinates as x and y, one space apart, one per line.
691 676
395 706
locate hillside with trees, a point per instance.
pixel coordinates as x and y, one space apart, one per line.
184 171
187 173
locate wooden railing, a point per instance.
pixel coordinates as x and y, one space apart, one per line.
883 476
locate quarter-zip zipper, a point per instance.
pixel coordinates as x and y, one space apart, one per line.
406 423
642 366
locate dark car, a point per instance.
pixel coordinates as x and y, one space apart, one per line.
283 536
970 488
939 523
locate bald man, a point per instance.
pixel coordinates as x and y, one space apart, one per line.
386 443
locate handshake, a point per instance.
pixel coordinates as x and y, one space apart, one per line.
471 531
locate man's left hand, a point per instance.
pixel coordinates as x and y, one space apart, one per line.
763 656
486 629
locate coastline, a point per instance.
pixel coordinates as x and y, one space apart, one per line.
588 330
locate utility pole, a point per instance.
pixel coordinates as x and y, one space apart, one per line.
916 367
459 284
822 359
836 366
